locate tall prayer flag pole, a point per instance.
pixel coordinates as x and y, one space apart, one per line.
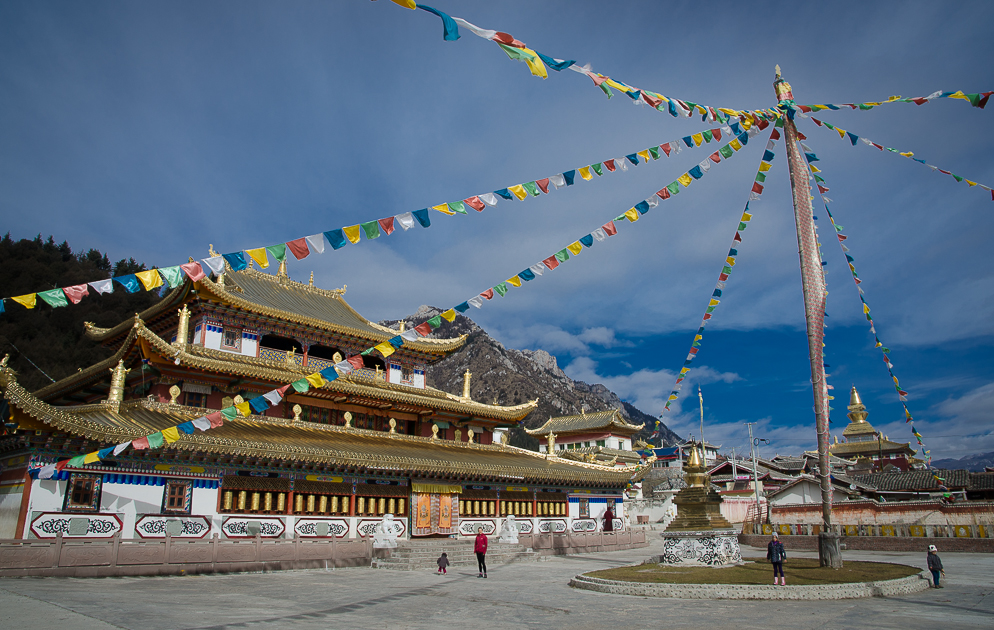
815 292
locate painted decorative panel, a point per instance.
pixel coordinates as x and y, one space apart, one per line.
246 526
701 551
467 527
50 524
584 525
552 526
321 527
157 526
524 526
367 527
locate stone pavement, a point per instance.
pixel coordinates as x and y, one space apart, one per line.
517 595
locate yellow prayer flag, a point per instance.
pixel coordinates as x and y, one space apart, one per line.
617 86
407 4
89 458
725 110
872 104
585 173
713 302
644 154
352 233
519 191
907 154
150 279
514 281
259 256
746 217
535 64
172 434
385 349
730 261
685 179
969 182
443 208
574 248
764 166
815 169
450 314
632 215
244 409
698 337
866 309
957 94
735 144
27 301
698 138
701 110
316 380
841 132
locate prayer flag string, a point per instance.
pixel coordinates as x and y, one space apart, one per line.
977 100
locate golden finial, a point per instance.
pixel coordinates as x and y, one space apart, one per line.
458 435
552 443
296 412
434 431
118 377
778 70
401 325
282 274
465 384
238 399
311 283
503 438
348 419
857 410
251 263
211 252
191 259
393 425
183 329
174 393
470 435
3 364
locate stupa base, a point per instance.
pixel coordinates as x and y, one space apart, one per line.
702 548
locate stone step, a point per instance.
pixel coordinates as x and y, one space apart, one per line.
401 564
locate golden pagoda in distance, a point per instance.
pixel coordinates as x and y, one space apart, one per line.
867 445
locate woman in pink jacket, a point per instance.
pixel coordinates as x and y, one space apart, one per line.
481 551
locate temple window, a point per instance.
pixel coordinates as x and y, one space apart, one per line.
275 348
83 493
194 399
232 339
177 497
601 443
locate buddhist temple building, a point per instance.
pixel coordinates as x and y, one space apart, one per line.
329 462
598 429
863 443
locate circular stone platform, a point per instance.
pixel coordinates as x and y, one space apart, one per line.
854 590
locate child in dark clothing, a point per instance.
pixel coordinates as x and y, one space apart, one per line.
935 566
443 561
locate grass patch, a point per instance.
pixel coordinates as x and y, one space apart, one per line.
799 572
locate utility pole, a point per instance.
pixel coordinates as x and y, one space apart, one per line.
704 453
755 470
815 292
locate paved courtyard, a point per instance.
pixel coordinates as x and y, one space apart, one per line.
519 595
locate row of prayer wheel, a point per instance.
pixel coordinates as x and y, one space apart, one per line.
518 508
275 502
551 508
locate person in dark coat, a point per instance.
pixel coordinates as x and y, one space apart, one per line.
481 551
776 554
935 566
609 519
443 561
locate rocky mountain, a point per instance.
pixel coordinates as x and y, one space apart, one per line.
507 376
973 463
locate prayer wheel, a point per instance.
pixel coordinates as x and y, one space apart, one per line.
393 505
255 501
280 502
503 507
323 504
362 505
400 506
528 509
476 508
267 502
492 507
228 498
334 504
383 506
242 498
298 504
310 503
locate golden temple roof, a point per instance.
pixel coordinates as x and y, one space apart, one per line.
216 361
290 441
610 419
282 299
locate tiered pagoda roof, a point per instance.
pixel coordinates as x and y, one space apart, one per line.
611 421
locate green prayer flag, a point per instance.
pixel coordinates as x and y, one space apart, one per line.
742 226
532 188
516 53
156 440
674 188
436 321
819 179
172 275
974 99
955 176
709 309
76 461
278 251
302 385
597 168
367 351
779 122
725 151
562 255
726 269
865 106
760 177
457 206
654 152
708 135
372 229
54 297
501 289
229 413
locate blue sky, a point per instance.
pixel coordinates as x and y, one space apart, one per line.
152 129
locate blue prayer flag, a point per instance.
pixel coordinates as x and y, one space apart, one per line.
187 427
422 217
129 282
236 260
568 176
642 206
633 158
556 65
587 240
527 275
450 31
505 193
462 308
336 238
696 172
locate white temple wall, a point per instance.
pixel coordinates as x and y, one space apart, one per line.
129 501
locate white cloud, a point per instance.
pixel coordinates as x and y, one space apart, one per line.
554 339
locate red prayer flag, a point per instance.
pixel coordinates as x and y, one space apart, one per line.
879 146
543 184
423 329
477 204
663 194
298 248
738 238
983 101
193 270
283 390
946 172
763 124
610 165
694 350
842 237
356 361
757 188
140 444
507 40
215 418
804 108
707 316
666 148
722 277
801 136
715 157
919 101
775 135
488 294
386 225
60 465
609 228
77 292
654 102
822 189
717 134
816 121
551 262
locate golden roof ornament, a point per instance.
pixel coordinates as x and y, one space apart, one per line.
183 329
311 281
238 399
348 419
297 409
857 410
282 273
552 443
174 393
434 431
118 376
393 425
401 326
470 435
465 384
